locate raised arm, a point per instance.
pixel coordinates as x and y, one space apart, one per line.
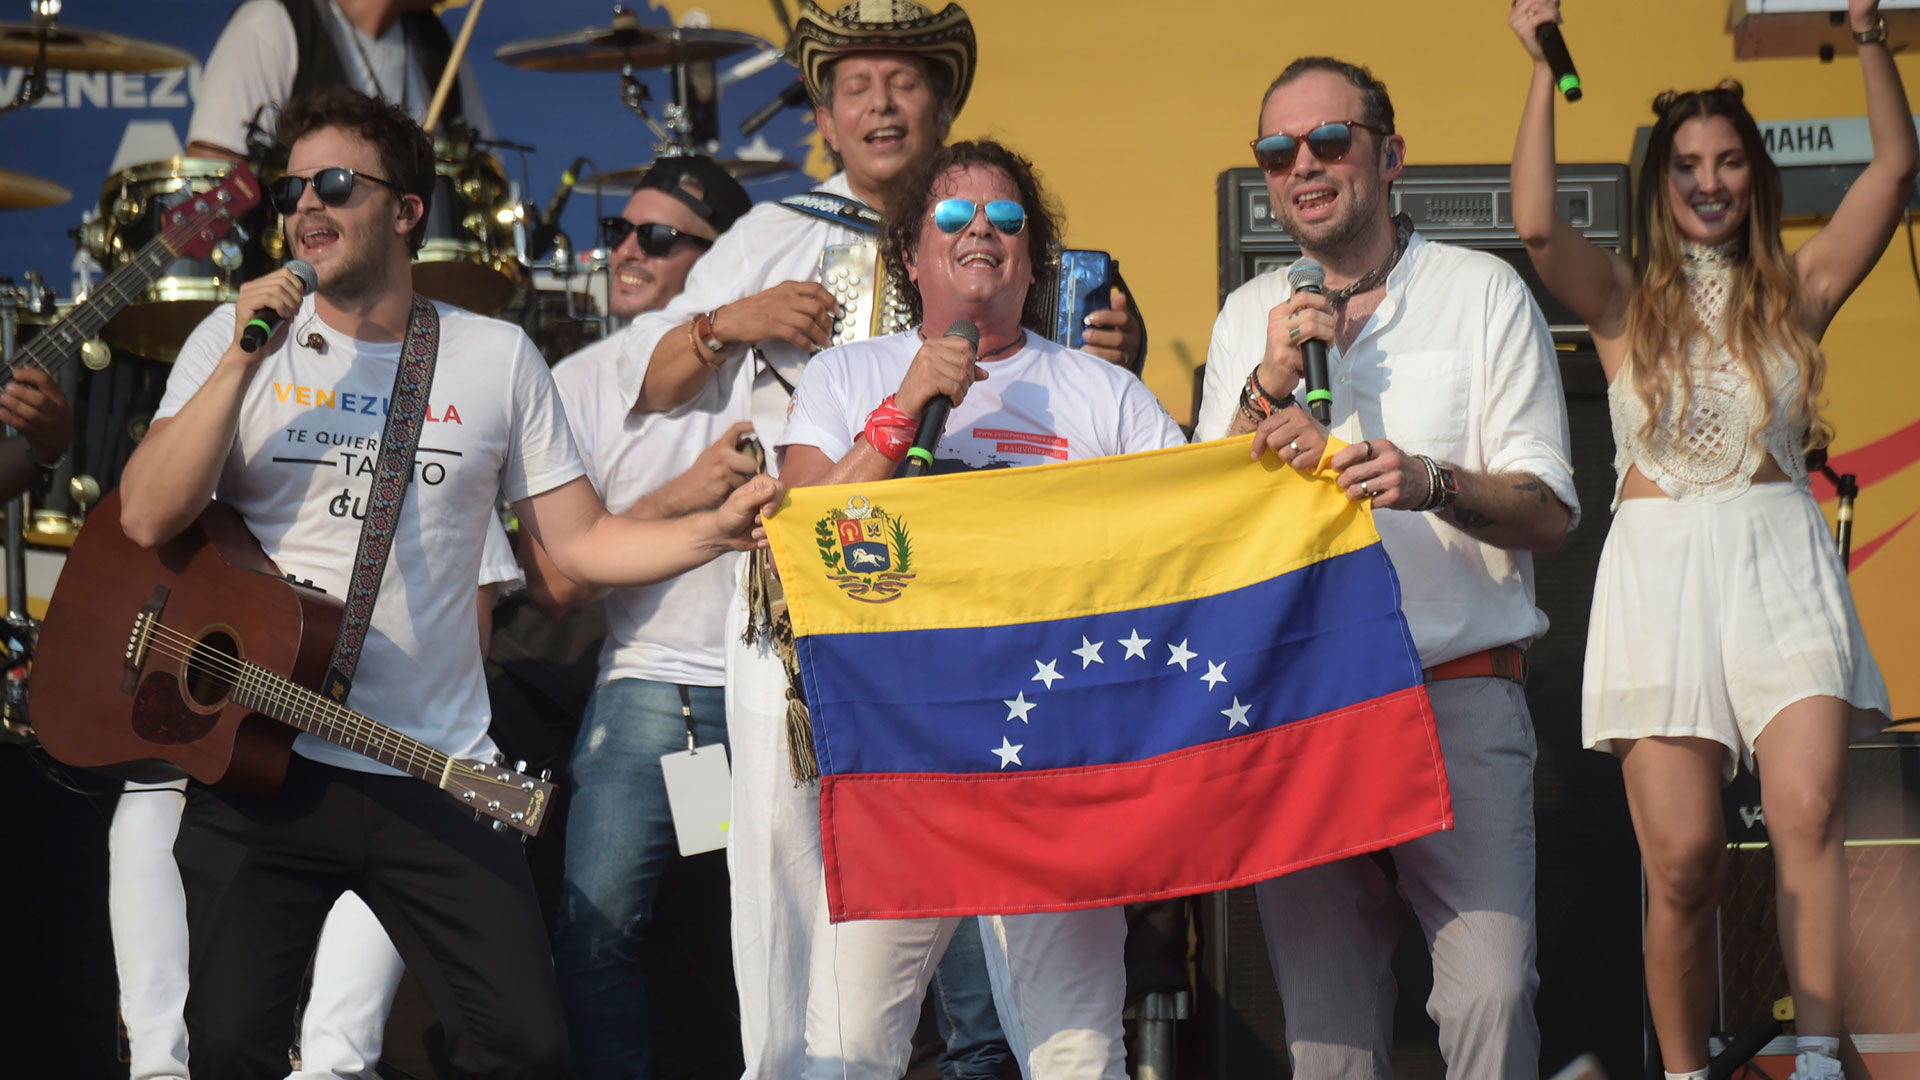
1593 282
1834 262
797 312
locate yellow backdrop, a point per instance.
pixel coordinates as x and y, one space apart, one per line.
1131 110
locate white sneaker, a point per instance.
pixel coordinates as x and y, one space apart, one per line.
1814 1065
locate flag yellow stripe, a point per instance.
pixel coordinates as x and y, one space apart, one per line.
1056 541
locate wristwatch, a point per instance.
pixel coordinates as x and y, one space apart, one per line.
1875 36
1446 487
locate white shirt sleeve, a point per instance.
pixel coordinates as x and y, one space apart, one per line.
821 417
196 361
725 273
541 454
1524 419
496 556
1144 422
1235 349
250 66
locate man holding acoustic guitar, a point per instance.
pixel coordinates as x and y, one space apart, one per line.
335 439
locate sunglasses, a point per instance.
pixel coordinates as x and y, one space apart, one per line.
332 186
1329 143
952 215
654 238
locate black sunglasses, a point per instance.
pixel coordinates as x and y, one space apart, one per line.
1329 142
333 186
655 239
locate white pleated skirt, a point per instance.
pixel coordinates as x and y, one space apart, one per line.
1711 617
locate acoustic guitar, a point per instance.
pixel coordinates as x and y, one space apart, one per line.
197 657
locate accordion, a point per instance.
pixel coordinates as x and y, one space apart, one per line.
1073 285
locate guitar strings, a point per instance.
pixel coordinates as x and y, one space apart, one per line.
275 687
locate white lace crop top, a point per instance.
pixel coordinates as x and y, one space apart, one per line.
1711 449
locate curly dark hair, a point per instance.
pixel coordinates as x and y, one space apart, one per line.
910 200
1375 106
406 152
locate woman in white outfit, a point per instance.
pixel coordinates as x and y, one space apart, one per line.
1723 630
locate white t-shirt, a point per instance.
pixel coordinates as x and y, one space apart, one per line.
254 62
671 632
1457 364
1044 403
302 464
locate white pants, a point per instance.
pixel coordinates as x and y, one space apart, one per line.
773 857
355 972
1059 981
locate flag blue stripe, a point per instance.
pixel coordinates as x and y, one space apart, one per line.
1295 646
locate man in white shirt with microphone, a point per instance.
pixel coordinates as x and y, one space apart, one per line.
1441 377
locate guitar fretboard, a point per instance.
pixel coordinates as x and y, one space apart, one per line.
290 703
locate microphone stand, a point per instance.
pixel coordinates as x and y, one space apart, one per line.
1847 486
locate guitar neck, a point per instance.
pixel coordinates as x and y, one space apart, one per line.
63 339
296 706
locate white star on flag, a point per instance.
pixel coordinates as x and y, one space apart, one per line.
1136 646
1236 716
1216 674
1009 752
1019 707
1047 673
1089 653
1181 655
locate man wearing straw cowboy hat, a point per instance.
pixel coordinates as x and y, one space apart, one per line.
887 78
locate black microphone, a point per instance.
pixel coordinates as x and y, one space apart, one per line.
1307 275
795 94
933 420
548 227
265 322
1554 48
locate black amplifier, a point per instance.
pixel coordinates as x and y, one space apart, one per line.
1468 205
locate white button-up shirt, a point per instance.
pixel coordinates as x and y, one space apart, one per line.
769 245
1456 363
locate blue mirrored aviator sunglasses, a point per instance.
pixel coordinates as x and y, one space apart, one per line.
952 215
1329 143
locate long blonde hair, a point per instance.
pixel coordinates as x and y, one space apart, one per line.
1763 303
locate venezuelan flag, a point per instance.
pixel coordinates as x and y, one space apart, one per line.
1101 682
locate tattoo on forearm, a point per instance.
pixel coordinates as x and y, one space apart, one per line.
1468 518
1534 486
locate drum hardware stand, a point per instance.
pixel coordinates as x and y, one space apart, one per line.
18 632
46 14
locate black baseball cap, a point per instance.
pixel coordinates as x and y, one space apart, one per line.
721 200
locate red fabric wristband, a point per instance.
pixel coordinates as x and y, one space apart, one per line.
890 431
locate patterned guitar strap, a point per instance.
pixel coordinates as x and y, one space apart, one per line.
769 621
398 440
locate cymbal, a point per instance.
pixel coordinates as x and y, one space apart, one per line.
626 42
18 191
69 49
621 182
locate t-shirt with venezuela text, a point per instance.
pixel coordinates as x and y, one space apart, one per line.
303 462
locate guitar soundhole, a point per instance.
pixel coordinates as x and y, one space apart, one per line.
211 669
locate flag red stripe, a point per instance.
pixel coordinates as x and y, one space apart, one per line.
1215 816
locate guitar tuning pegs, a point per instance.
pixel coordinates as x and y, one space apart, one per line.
499 758
546 774
499 826
520 766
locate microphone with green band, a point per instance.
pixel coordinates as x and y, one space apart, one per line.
1306 275
265 321
933 419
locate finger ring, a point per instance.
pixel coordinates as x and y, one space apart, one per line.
1294 445
1293 334
1369 445
1365 490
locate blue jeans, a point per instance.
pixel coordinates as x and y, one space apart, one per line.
619 838
963 1011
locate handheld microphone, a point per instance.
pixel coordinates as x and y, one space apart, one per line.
933 420
1307 275
1554 48
264 323
548 228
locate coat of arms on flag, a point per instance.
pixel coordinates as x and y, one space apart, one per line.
867 552
1190 673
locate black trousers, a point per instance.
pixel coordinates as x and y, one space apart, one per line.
456 898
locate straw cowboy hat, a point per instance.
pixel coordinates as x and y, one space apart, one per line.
901 26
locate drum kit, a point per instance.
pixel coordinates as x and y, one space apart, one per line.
486 248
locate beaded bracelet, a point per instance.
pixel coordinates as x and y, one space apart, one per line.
1256 404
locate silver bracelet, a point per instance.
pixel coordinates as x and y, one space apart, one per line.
1433 485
